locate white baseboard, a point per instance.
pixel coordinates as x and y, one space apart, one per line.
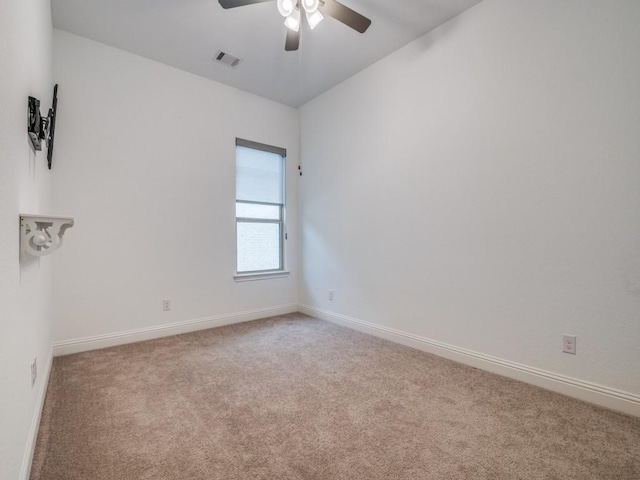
32 438
601 395
67 347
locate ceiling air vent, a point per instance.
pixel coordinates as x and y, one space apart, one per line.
227 59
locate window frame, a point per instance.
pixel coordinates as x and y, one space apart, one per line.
281 271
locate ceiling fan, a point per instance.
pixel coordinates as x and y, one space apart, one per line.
314 12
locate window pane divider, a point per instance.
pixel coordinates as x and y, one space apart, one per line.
250 202
258 220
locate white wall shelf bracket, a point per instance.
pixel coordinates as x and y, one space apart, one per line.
42 234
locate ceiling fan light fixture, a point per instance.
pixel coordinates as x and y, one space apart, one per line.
314 19
293 20
286 7
310 6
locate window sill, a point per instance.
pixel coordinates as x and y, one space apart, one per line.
248 277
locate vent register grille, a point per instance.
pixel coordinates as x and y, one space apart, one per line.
227 59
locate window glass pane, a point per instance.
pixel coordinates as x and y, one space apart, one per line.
252 210
258 246
259 175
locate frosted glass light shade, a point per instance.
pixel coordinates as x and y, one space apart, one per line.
293 21
286 7
310 5
313 19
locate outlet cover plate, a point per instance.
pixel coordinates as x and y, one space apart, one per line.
569 344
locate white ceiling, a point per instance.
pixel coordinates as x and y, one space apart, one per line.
188 33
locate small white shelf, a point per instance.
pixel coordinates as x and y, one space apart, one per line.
42 234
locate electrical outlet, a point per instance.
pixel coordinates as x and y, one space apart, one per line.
569 344
166 304
34 371
331 295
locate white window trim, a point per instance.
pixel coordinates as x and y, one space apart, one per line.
250 277
267 274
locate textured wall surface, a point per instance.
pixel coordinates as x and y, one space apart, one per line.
146 164
479 187
25 187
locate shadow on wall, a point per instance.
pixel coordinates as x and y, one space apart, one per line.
426 42
413 18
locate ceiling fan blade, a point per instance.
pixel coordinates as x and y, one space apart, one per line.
345 15
293 40
239 3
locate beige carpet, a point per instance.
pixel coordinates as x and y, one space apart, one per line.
293 397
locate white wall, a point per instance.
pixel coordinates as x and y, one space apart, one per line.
25 187
145 162
481 188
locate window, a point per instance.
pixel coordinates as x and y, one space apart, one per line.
260 208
